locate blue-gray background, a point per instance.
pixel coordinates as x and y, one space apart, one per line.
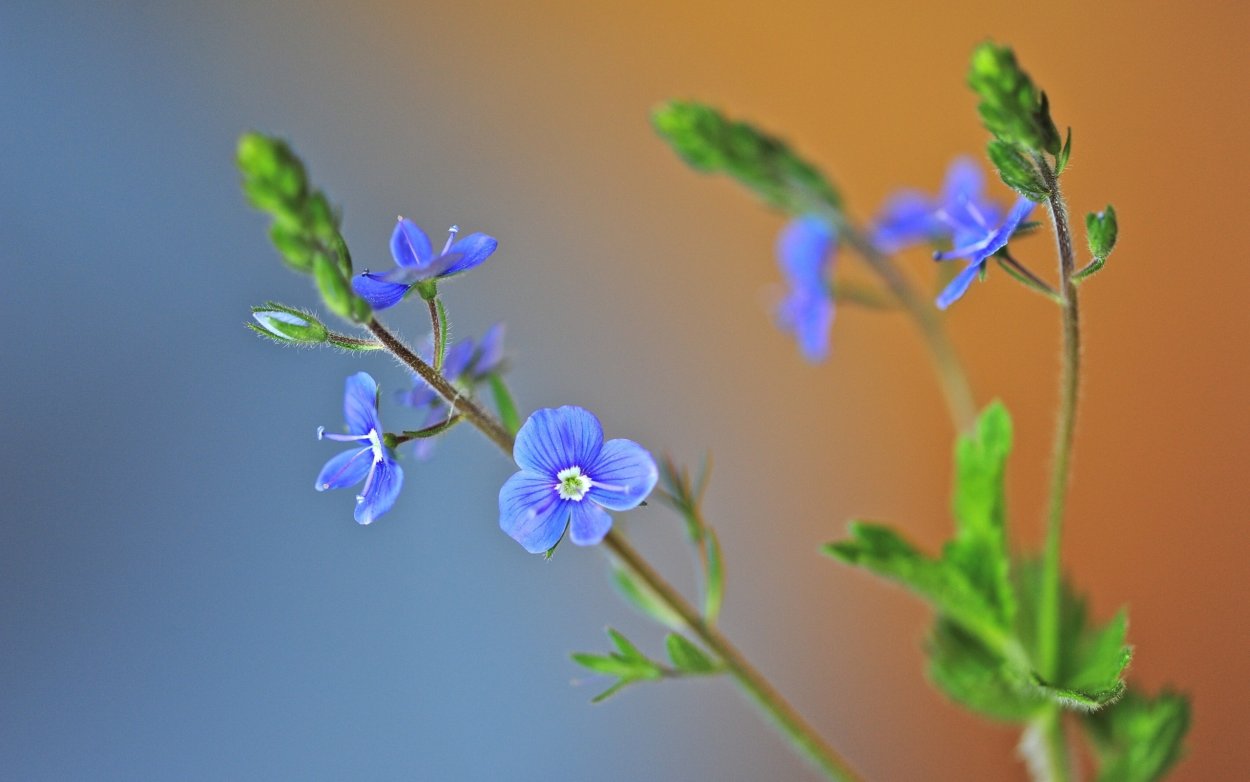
177 603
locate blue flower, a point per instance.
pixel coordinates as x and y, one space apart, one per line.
910 217
372 463
416 262
805 252
570 478
977 246
466 365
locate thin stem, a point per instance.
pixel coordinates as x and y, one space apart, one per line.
439 328
421 434
1023 275
802 735
352 343
1065 428
946 361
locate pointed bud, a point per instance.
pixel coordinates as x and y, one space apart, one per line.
284 324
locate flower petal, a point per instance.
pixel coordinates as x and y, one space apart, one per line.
810 318
346 469
381 488
804 250
964 181
958 286
489 351
589 523
1019 211
554 439
472 251
378 291
457 359
360 404
531 511
410 246
907 218
623 475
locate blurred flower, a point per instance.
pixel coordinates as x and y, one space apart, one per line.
372 463
416 261
805 252
911 217
466 365
978 246
568 477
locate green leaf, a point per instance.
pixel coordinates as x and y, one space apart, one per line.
710 142
1101 229
440 349
688 657
611 665
504 403
1016 171
643 599
1139 739
714 586
1010 105
1061 161
626 647
972 675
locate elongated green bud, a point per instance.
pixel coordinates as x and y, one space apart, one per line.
285 324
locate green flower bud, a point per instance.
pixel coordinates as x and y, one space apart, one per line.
285 324
1101 229
335 289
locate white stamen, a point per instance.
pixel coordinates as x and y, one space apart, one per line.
451 237
572 485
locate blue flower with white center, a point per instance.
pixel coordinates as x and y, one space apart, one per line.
911 217
466 365
569 479
805 252
977 246
416 261
371 463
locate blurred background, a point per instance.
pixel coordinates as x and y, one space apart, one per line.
176 602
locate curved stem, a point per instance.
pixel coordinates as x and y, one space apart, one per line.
951 375
1065 428
788 721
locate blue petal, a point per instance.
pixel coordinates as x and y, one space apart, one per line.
623 475
378 291
381 489
418 396
347 469
589 523
552 440
958 286
472 249
457 359
810 318
906 219
964 181
804 250
1019 211
360 404
410 246
531 511
489 351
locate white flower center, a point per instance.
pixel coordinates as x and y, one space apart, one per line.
572 484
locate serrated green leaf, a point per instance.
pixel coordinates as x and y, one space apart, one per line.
1016 171
1139 739
643 599
1010 105
710 142
504 403
1061 160
686 656
714 585
972 675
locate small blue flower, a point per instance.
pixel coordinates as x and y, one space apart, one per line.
416 261
466 365
805 252
568 477
977 246
911 217
373 463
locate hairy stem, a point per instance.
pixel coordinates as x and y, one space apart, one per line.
1048 628
951 375
800 734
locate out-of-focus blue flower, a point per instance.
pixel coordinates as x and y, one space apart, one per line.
977 246
371 463
466 365
570 478
416 261
911 217
805 252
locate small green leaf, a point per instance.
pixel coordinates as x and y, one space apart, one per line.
686 656
504 403
972 675
643 599
714 587
1101 229
1061 161
625 646
610 665
1139 739
440 350
1016 171
709 141
1010 105
609 692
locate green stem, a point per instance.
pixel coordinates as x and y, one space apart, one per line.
438 322
800 734
1048 628
951 375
